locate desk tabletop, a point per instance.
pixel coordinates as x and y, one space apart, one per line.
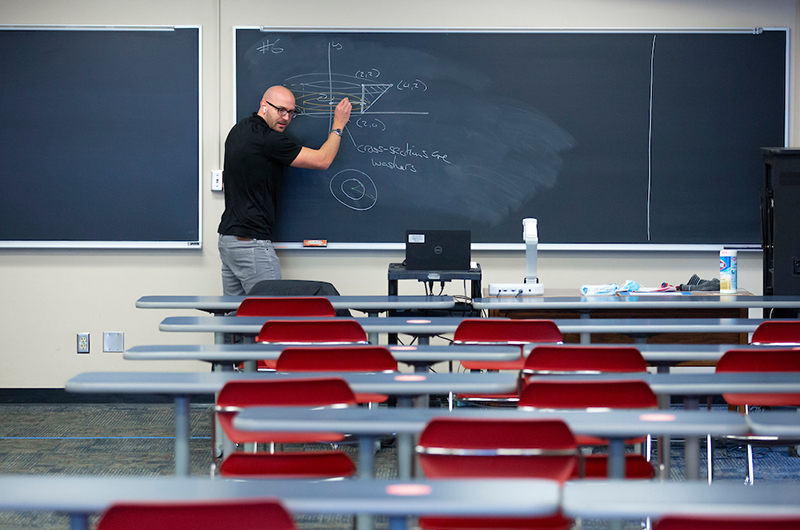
425 354
637 499
775 423
394 498
220 304
679 300
186 383
607 423
444 325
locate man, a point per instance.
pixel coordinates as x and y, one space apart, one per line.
256 153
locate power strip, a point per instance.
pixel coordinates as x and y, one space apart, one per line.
515 289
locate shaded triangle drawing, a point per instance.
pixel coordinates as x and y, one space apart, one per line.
370 93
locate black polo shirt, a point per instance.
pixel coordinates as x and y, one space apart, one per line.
255 158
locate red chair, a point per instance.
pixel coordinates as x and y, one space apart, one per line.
777 332
452 448
284 306
307 332
768 360
595 394
508 332
593 359
359 358
583 359
739 522
205 515
586 359
236 395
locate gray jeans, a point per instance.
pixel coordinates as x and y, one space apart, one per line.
245 263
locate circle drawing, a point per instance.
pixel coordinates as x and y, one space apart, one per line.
354 189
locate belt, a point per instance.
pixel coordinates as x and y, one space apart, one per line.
240 238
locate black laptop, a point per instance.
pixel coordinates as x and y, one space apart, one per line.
438 250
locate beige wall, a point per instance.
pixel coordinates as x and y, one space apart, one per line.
69 291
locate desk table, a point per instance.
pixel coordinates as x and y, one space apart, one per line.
678 300
426 327
181 385
696 304
82 496
372 305
642 499
616 425
224 356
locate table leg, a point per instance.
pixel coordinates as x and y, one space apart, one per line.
366 457
405 446
691 444
78 521
182 436
586 338
616 458
664 442
398 523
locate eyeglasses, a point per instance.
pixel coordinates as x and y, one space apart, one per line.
282 111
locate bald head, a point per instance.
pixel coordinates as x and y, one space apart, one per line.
280 96
277 97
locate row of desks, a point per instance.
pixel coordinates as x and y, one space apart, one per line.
181 385
422 356
425 327
82 496
378 304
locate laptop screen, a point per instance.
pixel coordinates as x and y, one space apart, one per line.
438 250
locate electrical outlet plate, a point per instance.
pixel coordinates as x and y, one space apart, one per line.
83 343
113 341
216 180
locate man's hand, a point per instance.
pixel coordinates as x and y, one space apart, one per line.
342 114
323 157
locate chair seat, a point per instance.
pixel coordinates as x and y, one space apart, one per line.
367 397
516 365
636 467
553 522
589 440
511 398
264 365
288 464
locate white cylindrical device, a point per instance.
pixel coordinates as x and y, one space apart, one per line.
530 234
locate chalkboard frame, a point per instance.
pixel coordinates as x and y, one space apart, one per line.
635 246
178 224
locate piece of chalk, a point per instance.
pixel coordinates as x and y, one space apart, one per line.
315 242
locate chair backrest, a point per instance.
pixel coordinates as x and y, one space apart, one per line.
201 515
587 395
286 306
495 448
511 331
332 331
317 392
766 360
587 358
777 332
358 358
739 522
